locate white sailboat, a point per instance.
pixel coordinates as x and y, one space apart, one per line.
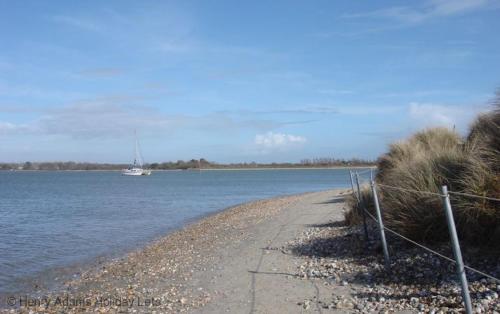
136 169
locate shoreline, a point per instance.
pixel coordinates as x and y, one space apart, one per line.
285 168
203 169
91 271
289 254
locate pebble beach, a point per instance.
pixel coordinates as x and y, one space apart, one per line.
289 254
156 279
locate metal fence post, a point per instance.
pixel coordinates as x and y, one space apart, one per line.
380 226
352 185
362 205
456 249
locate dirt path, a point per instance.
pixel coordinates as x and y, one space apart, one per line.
258 277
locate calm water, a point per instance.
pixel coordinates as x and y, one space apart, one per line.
56 219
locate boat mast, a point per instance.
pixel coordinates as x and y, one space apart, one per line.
138 157
135 149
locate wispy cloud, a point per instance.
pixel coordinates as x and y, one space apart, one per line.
111 117
298 110
19 109
15 90
319 110
95 120
368 110
333 91
78 22
101 72
162 28
421 93
430 9
12 128
174 46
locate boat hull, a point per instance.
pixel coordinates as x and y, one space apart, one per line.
136 172
131 173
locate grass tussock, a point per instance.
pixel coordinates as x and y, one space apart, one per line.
424 162
439 156
481 218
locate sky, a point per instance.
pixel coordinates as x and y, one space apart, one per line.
239 81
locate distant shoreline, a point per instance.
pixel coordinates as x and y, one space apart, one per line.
196 169
287 168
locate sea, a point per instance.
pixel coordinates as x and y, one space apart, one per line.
56 220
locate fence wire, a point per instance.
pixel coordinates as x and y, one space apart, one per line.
364 171
475 196
368 180
429 249
410 190
411 241
438 194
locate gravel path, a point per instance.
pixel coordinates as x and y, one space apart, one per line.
260 276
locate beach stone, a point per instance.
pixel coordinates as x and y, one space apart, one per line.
307 304
345 305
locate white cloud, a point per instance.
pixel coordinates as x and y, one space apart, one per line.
431 115
278 141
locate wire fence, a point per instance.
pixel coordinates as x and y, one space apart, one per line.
431 250
457 260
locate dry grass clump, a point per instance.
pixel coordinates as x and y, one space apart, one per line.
425 162
436 157
481 218
438 142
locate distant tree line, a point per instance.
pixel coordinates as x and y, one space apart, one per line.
181 164
328 161
185 165
66 165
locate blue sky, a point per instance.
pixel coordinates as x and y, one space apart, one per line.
238 80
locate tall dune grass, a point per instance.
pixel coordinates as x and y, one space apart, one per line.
481 218
425 162
435 157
